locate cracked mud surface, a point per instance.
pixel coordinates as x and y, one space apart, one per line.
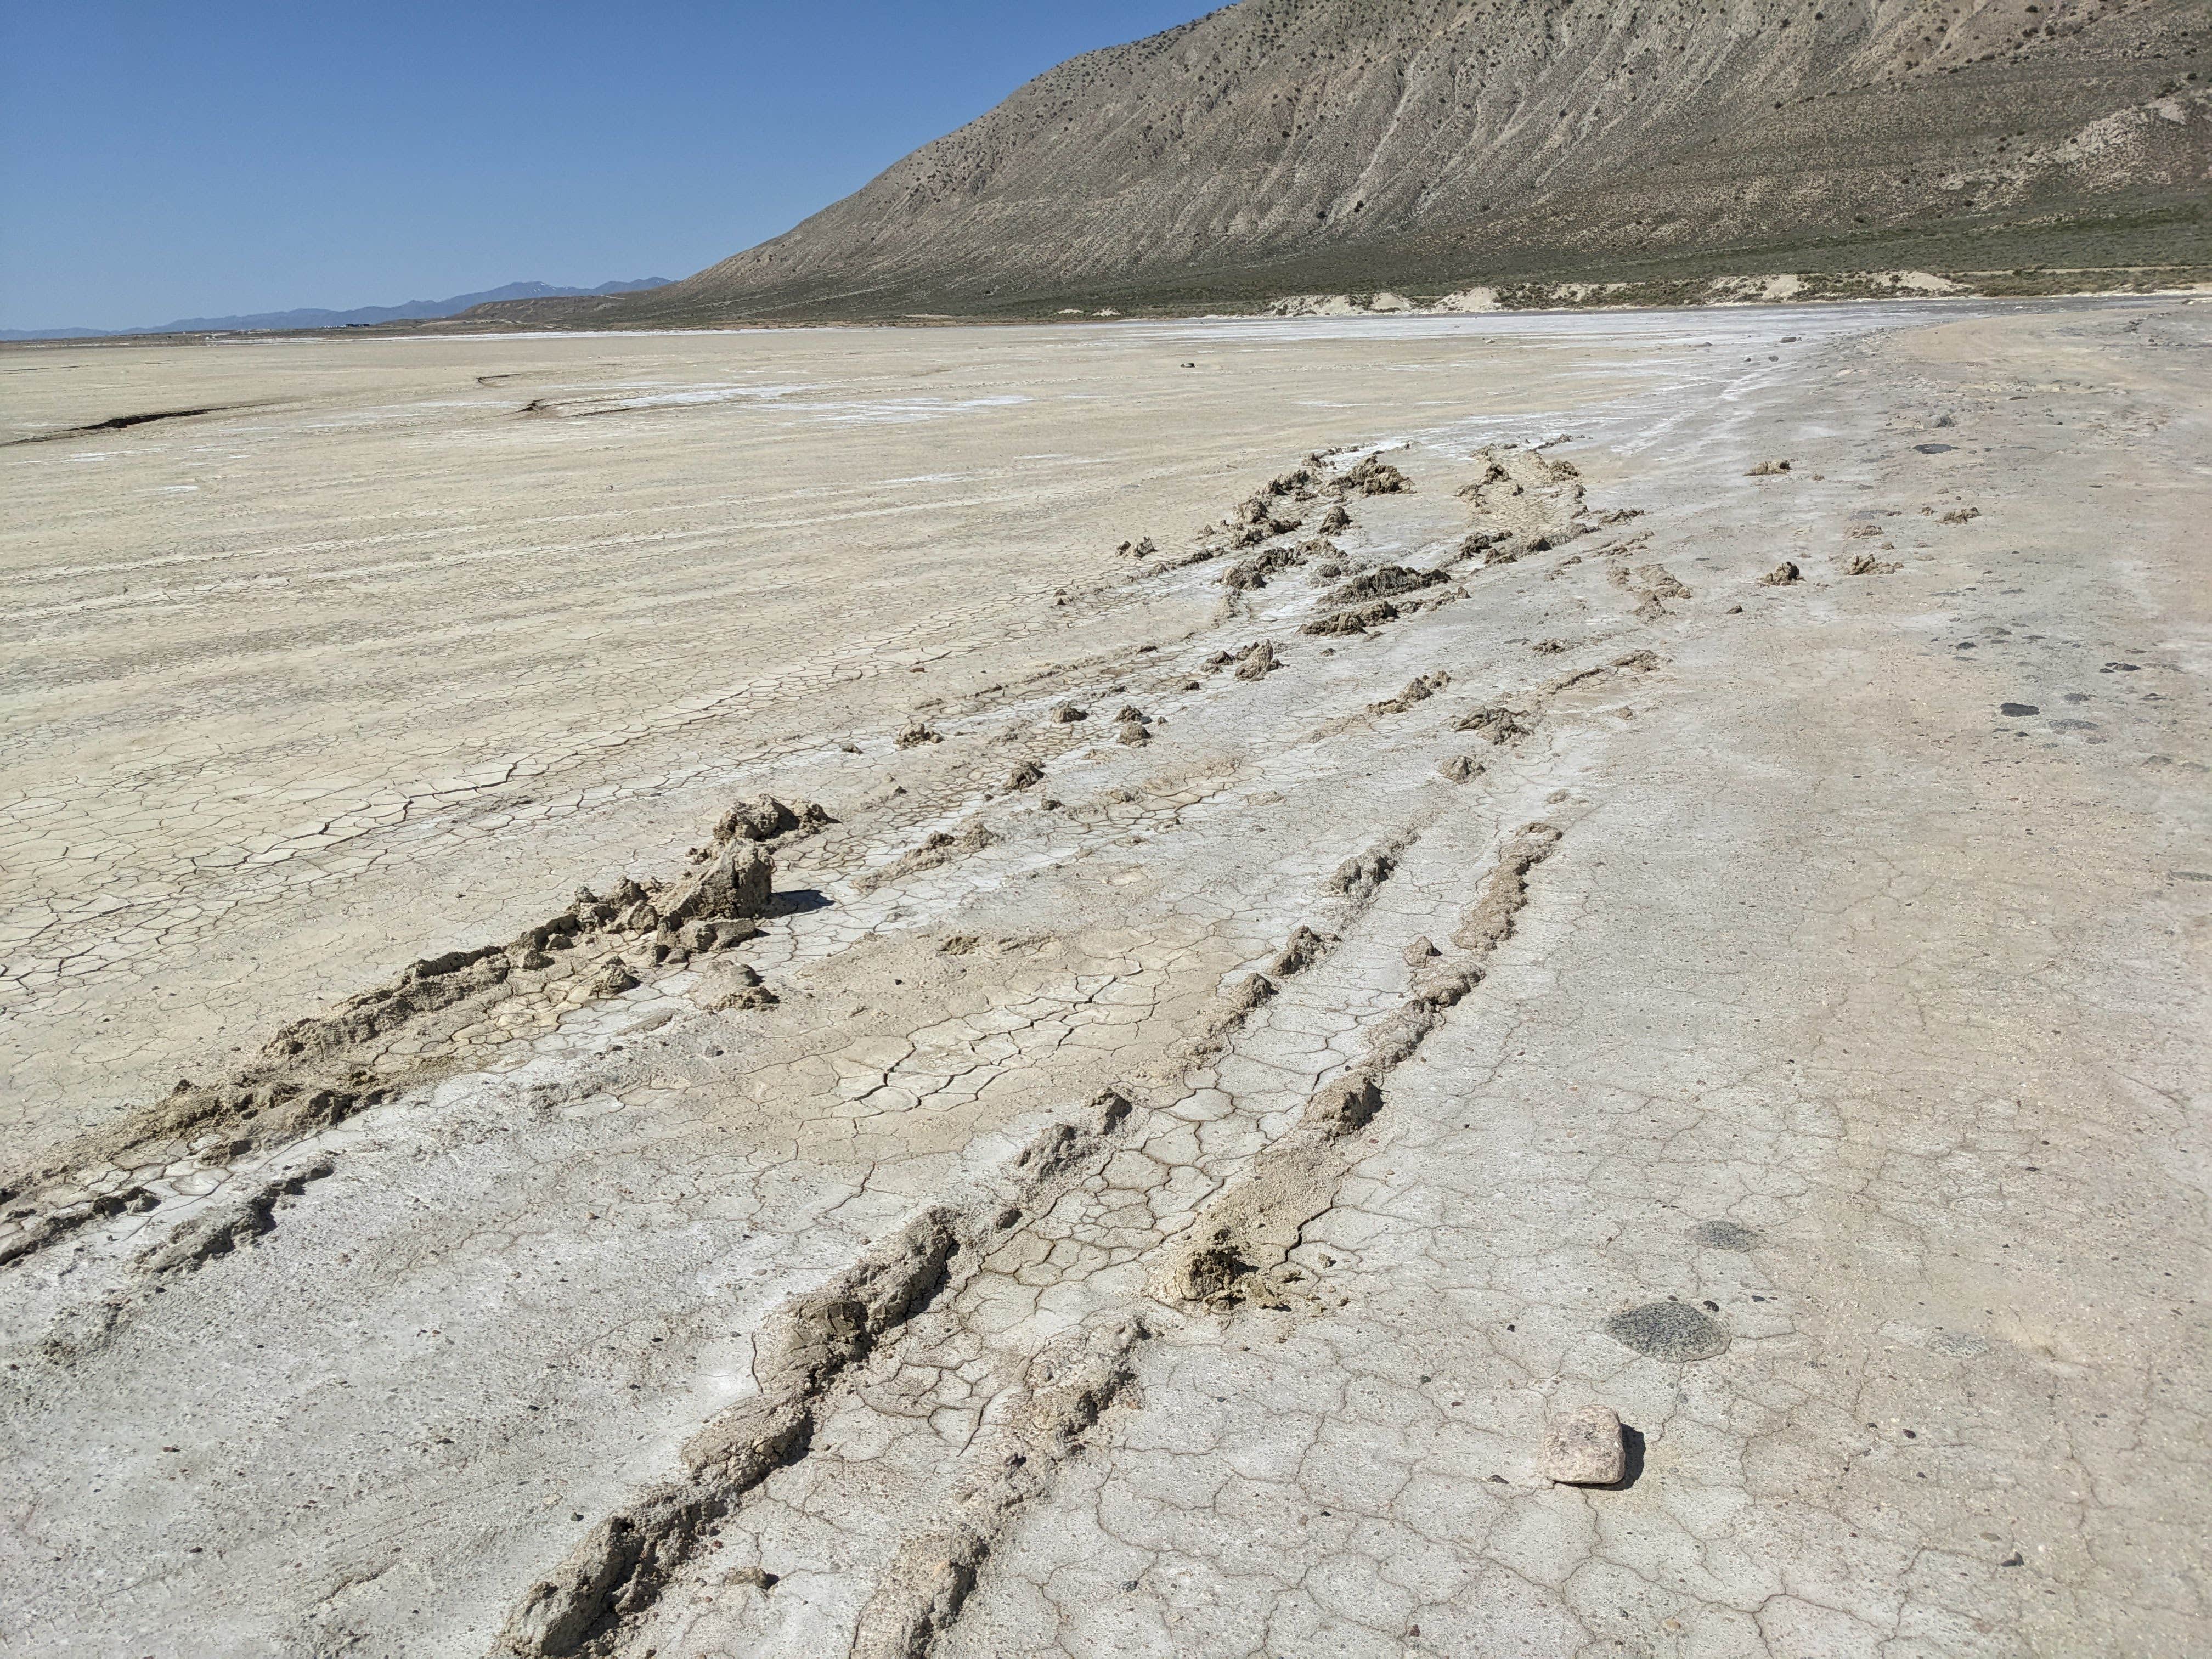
1348 919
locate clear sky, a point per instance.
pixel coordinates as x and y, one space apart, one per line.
163 158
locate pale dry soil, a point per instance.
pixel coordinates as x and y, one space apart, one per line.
1818 968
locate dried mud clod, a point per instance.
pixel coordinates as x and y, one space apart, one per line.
1256 661
1782 575
1300 951
1865 564
1356 621
1359 878
1372 477
914 734
1459 768
1495 723
1253 572
1026 775
1768 470
1418 690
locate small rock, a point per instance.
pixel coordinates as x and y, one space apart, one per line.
2018 710
1585 1448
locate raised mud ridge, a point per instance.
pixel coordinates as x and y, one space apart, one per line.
320 1070
1239 1249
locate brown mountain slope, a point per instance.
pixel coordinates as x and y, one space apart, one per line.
1281 144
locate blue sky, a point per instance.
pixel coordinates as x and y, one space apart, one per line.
162 160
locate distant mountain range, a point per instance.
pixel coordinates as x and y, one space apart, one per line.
413 310
1300 147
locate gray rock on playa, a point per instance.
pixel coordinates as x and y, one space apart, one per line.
1585 1448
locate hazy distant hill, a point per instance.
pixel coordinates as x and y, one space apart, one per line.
414 310
1282 146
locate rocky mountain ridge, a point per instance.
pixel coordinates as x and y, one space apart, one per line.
1281 146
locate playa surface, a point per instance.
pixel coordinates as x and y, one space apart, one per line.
1346 889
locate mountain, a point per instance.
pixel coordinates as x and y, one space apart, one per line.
413 310
1278 146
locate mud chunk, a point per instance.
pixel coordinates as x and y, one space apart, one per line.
1137 550
1724 1236
1349 1103
1352 622
1961 515
1865 564
1336 519
1357 878
1302 949
1420 951
1420 688
1025 774
1768 470
1256 662
1249 994
767 818
1585 1448
2018 710
1659 583
1548 647
1382 582
737 883
1132 731
1496 722
614 979
914 734
745 996
1666 1330
1067 714
1246 573
1372 477
715 933
1781 576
